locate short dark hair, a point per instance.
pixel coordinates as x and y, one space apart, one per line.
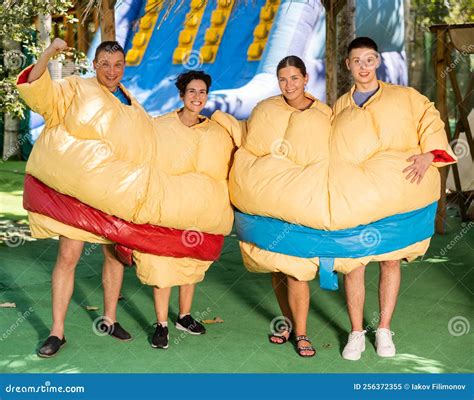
110 46
362 42
183 80
292 61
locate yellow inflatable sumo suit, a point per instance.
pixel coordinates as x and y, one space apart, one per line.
145 174
281 171
192 164
93 148
307 191
369 148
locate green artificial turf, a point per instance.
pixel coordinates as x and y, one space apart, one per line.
432 324
11 190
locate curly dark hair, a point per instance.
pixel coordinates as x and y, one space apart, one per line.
183 80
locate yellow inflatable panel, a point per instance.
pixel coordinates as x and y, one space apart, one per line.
165 272
43 227
305 269
281 171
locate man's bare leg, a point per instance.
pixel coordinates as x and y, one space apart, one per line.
62 284
389 286
112 278
354 285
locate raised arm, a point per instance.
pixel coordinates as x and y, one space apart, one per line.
52 50
49 98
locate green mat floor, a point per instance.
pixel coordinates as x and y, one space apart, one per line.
432 323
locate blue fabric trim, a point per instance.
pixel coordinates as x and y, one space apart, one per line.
379 237
327 275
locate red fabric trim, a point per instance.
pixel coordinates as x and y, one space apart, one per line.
23 77
124 254
39 198
442 156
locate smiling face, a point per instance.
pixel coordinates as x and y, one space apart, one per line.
195 96
109 68
292 83
363 64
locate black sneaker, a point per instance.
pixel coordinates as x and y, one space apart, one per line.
190 325
51 346
115 331
160 337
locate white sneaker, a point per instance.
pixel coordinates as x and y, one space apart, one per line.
355 346
384 343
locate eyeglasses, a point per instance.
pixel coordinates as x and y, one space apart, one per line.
366 62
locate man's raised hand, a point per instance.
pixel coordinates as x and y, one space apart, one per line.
57 46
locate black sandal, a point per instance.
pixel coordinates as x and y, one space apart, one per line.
300 350
280 336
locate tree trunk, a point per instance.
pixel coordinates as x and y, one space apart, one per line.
408 17
333 7
11 128
331 53
107 20
441 105
416 62
346 33
82 30
43 25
